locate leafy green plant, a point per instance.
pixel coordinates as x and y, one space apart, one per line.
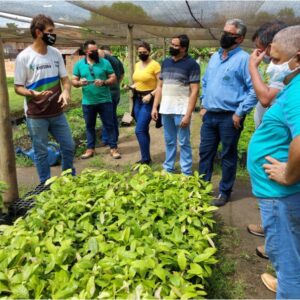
112 235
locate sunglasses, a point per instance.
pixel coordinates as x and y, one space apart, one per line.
91 70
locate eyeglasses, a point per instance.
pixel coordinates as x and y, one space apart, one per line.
91 70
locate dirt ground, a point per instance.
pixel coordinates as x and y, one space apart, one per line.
239 212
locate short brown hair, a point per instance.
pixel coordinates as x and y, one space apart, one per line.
40 22
144 45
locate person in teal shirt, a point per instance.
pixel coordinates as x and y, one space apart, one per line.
274 165
95 75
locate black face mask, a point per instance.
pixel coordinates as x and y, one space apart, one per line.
49 38
94 55
174 51
227 41
143 56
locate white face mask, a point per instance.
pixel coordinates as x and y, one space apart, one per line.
277 73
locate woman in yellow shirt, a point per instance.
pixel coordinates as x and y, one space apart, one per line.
145 78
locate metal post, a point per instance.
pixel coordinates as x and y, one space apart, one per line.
8 172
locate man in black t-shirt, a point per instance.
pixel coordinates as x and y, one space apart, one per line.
114 89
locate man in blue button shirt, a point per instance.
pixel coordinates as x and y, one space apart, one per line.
227 96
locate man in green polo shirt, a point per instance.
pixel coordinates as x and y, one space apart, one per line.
95 75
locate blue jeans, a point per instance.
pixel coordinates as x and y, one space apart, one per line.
60 130
142 114
281 223
115 96
172 132
105 111
218 127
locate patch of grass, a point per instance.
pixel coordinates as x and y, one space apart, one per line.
24 190
223 284
97 162
271 270
23 161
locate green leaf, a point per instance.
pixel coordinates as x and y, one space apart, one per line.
195 269
19 292
93 245
90 287
160 273
125 234
181 261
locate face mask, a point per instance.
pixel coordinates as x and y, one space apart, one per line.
227 41
267 59
49 38
143 56
94 55
174 51
277 73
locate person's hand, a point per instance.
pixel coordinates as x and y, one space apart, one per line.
40 94
276 170
64 98
236 121
185 121
202 112
256 57
147 98
83 82
99 82
154 114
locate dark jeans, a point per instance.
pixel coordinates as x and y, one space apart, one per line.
115 96
216 128
105 111
142 114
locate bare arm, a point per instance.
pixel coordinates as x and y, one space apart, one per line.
22 91
194 94
264 93
78 82
286 173
65 96
157 100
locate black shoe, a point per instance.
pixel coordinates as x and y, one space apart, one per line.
144 162
221 200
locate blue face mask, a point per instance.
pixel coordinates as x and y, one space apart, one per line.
277 73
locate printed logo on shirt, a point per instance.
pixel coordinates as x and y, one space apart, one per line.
56 63
33 67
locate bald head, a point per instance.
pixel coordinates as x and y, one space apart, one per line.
288 40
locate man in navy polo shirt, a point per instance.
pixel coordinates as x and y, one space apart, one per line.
227 96
178 90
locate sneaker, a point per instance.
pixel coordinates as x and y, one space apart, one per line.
88 153
115 154
256 229
261 252
269 281
221 200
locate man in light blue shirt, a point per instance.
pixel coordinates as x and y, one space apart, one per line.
227 96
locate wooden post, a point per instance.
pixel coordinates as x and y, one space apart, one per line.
8 172
164 47
130 57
